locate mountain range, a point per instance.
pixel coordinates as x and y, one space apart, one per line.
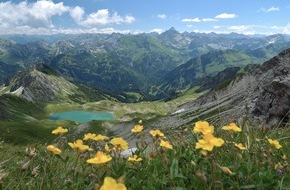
131 66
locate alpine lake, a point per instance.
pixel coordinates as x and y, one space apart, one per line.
82 116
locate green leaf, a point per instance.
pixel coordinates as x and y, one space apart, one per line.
248 186
174 169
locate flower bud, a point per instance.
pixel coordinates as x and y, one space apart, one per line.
25 165
192 163
226 170
203 153
239 156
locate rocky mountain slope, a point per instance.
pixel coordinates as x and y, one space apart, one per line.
259 97
42 84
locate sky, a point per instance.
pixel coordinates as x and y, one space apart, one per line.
138 16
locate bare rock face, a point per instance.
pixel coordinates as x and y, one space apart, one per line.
273 100
273 103
262 95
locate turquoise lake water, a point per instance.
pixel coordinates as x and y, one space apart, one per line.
82 116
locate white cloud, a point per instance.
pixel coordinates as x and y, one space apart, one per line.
226 16
239 28
209 20
77 13
188 25
103 17
161 16
49 31
250 29
191 20
158 30
282 29
37 14
271 9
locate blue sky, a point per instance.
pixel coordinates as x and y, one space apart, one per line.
135 16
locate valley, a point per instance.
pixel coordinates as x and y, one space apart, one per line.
145 76
167 82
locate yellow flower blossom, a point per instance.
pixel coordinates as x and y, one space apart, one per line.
79 146
209 142
89 136
240 146
59 130
203 127
119 143
135 158
232 127
100 138
156 133
53 149
99 158
92 136
275 143
112 184
165 144
137 128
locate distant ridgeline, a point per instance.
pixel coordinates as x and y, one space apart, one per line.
134 67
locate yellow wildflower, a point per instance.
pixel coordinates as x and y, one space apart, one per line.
59 130
134 158
119 143
89 136
240 146
112 184
79 146
53 149
209 142
100 137
165 144
232 127
156 133
275 143
203 127
137 128
99 158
